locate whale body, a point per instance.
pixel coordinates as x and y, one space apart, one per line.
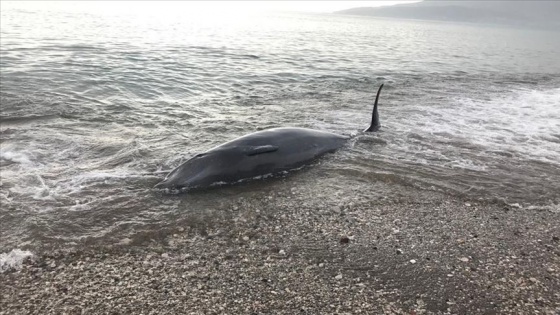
262 153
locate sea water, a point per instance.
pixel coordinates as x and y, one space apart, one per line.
96 107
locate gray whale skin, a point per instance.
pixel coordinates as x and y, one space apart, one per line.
262 153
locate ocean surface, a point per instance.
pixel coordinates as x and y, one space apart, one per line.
96 108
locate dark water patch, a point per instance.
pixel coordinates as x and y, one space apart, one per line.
15 120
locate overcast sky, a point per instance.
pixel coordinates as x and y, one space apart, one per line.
150 7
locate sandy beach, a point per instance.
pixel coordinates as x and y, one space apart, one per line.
442 255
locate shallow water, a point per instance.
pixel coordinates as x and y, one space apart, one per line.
95 107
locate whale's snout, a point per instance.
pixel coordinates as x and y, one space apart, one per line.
160 185
172 182
166 183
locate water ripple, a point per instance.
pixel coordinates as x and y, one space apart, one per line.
93 115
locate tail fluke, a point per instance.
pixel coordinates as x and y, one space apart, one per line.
375 116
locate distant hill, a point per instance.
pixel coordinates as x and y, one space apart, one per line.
521 13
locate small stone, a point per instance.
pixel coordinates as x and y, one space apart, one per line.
467 204
450 275
246 238
534 280
464 259
321 265
344 240
399 251
413 261
125 241
282 252
165 255
338 277
181 229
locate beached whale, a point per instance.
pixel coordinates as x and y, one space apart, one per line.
259 154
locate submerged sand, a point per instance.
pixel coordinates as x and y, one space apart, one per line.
440 255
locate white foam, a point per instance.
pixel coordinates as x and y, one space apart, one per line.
13 259
10 153
521 122
554 208
47 184
37 191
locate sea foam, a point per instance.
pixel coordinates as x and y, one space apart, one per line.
13 259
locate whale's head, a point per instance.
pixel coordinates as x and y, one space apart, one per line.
196 172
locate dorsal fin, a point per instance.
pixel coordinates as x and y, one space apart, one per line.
375 116
254 150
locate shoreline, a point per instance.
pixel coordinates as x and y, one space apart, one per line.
443 255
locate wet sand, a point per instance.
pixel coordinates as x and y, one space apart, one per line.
439 255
